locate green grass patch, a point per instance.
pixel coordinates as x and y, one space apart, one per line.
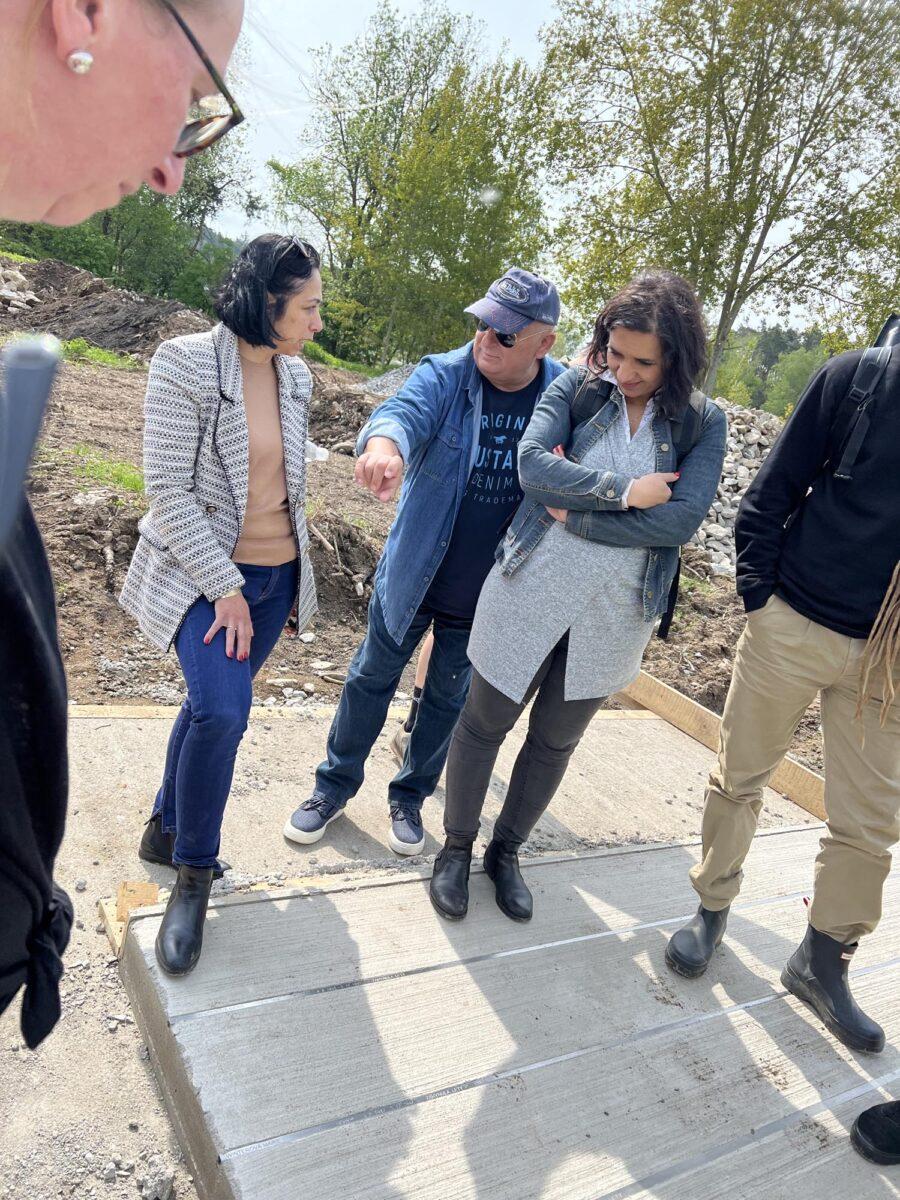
81 350
18 258
93 466
314 352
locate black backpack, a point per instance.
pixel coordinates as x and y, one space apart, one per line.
593 393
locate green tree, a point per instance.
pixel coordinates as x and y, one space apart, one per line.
741 143
152 243
422 185
789 376
738 379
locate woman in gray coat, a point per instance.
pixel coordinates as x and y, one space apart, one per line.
223 552
618 466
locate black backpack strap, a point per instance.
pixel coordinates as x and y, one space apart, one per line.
685 434
593 392
686 429
866 379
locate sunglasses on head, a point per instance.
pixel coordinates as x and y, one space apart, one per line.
201 132
506 340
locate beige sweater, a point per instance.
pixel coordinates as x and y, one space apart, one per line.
267 539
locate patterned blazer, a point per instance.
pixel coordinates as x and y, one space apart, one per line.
196 468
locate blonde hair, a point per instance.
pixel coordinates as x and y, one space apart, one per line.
882 648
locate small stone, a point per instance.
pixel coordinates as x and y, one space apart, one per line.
133 1126
307 637
322 664
80 885
109 1173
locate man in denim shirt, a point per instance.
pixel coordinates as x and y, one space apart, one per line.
453 429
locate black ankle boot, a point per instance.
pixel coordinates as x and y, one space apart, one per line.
180 937
501 864
691 947
816 973
158 847
876 1134
449 890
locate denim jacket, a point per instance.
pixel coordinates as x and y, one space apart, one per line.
433 420
594 498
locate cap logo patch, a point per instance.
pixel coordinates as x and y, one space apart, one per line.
510 290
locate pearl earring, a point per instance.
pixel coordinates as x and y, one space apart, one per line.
80 61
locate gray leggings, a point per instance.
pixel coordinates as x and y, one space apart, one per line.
555 727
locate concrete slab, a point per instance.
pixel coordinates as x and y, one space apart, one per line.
348 1043
634 779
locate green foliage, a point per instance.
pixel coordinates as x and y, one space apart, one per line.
738 380
150 243
16 258
315 353
742 144
424 184
80 350
93 466
789 377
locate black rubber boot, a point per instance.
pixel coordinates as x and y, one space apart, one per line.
816 973
690 948
449 890
180 937
158 847
501 864
876 1134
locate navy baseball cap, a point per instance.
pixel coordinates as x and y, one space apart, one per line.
515 300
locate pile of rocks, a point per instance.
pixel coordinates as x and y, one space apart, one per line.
751 434
16 295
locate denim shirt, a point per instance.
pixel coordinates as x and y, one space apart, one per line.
594 498
434 421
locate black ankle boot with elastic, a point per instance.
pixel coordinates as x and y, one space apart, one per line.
816 973
180 937
158 847
449 889
690 948
876 1134
501 864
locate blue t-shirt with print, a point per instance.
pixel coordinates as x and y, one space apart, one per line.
490 500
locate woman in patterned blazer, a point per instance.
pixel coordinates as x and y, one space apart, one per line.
223 554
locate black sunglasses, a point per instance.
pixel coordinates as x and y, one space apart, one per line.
201 133
506 340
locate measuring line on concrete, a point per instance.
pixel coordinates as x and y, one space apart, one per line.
468 1085
450 963
687 1165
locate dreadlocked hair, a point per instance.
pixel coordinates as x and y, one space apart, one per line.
882 647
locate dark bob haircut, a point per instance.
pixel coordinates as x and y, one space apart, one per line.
663 303
264 276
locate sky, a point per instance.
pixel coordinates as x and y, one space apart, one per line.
276 44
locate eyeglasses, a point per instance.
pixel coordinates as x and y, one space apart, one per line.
200 133
506 340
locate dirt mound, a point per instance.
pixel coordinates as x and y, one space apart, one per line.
339 408
76 304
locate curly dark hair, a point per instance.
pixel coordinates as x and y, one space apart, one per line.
663 303
263 277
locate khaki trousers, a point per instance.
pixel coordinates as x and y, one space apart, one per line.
783 659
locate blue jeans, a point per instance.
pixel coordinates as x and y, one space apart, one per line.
371 682
204 740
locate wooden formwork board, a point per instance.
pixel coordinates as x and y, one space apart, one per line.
794 781
350 1044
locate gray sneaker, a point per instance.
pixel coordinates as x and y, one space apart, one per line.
406 834
309 822
399 742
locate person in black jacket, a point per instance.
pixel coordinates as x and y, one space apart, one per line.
93 100
818 571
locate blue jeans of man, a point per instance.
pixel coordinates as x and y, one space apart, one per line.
371 683
204 740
